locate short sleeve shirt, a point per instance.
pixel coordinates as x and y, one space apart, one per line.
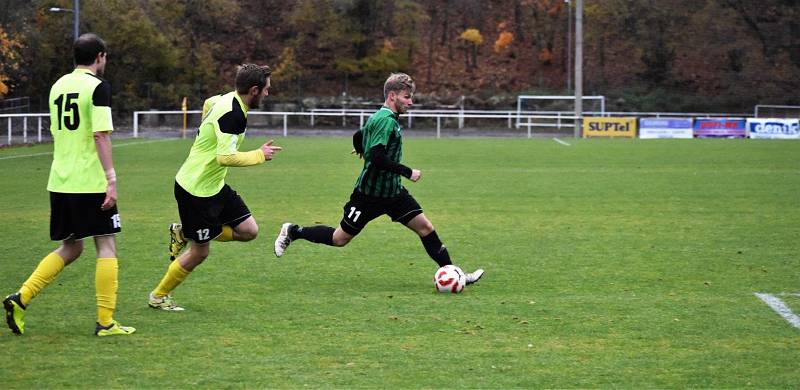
221 133
80 105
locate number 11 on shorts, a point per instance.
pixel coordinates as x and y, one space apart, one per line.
355 212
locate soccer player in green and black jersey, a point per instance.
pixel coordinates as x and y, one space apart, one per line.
82 185
210 209
378 189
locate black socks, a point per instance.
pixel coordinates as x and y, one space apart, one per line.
319 234
435 249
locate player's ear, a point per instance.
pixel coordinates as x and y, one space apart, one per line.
254 91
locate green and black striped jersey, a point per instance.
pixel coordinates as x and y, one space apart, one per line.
382 128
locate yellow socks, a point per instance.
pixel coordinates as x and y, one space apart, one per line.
105 283
175 275
226 235
44 274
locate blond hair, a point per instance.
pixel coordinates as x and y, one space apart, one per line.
398 82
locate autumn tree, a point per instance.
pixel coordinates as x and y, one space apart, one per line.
409 19
700 53
10 60
775 26
288 71
546 23
503 41
473 39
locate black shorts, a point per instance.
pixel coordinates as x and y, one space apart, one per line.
362 208
77 216
202 218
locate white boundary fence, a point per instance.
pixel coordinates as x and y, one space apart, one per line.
461 114
521 98
556 120
24 119
31 125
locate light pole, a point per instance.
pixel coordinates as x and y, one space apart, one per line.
569 45
578 67
76 17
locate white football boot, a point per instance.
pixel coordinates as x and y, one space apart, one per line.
282 241
474 277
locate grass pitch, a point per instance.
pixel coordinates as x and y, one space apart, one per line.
610 263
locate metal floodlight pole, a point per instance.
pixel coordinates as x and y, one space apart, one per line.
578 67
76 20
76 17
569 45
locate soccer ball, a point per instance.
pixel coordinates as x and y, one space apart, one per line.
449 279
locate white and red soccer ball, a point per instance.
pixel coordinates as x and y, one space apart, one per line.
450 279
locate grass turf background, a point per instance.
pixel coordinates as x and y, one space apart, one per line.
610 263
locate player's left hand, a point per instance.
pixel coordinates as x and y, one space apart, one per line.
111 197
416 174
360 156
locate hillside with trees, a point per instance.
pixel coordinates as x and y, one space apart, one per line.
666 55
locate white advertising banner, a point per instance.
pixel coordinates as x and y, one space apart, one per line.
666 128
773 128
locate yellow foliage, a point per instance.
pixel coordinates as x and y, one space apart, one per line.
288 68
503 41
472 35
9 60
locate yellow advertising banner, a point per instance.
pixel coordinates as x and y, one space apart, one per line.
609 127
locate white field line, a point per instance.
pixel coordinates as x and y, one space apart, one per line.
780 307
561 142
25 155
115 146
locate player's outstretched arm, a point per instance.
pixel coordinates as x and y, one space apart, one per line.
253 157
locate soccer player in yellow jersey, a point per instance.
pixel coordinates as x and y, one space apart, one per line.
82 185
209 209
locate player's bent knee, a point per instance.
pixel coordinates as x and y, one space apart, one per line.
70 256
248 235
341 241
426 229
70 252
247 230
423 229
